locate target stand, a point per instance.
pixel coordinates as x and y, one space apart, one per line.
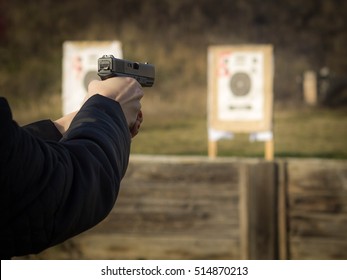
240 92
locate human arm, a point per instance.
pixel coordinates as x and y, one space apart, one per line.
133 114
50 130
51 191
44 129
62 124
112 88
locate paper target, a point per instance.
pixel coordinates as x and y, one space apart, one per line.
80 62
240 87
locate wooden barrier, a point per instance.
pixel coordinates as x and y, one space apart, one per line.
173 209
258 211
198 208
317 209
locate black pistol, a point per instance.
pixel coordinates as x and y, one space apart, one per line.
109 66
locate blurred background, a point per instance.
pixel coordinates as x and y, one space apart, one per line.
174 35
190 209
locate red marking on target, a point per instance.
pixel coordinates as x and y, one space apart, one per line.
223 68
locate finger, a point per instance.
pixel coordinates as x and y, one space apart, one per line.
140 116
135 129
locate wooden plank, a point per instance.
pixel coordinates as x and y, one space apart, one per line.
190 215
180 201
133 247
244 213
259 227
210 171
310 248
317 175
319 225
317 191
323 202
283 220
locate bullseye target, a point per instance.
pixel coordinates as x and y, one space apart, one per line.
80 62
240 84
240 87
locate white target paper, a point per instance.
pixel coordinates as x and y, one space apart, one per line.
240 79
241 86
80 62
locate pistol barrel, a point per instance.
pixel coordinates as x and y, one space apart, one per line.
109 66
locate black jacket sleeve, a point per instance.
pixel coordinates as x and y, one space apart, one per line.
51 191
44 129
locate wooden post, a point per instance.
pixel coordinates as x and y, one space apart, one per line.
283 242
212 149
269 149
310 88
244 213
258 211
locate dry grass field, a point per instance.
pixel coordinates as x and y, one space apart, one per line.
301 132
177 126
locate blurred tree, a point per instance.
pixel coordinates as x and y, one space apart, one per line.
307 35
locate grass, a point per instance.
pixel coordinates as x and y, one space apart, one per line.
314 138
27 111
311 132
299 132
176 125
